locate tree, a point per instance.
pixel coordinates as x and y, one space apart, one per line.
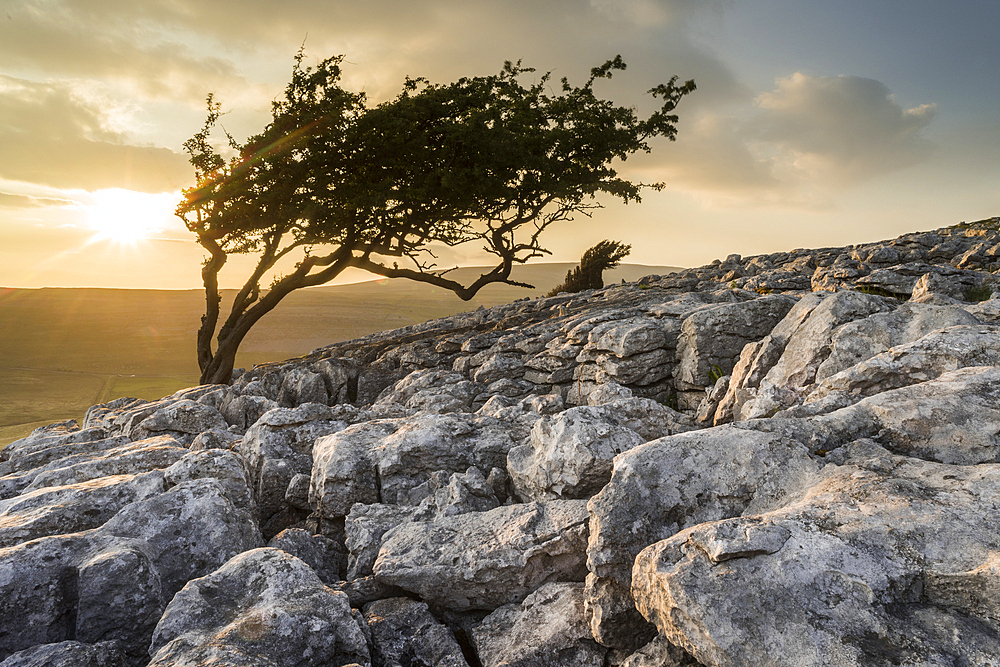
336 183
590 272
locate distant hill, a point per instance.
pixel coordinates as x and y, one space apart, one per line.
64 349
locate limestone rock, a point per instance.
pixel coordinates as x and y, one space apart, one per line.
569 454
262 607
112 582
67 654
715 335
383 460
458 493
22 468
902 278
51 437
757 358
925 359
183 419
801 344
631 336
951 419
136 457
665 485
242 411
403 632
323 555
498 367
986 311
301 385
668 484
219 464
660 653
72 508
864 338
278 447
548 629
608 393
481 560
845 576
364 528
611 614
215 440
936 284
431 390
21 460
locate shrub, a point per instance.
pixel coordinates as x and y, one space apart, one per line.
595 261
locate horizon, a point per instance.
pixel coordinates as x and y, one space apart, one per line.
813 125
339 282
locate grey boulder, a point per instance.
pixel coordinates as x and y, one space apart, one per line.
262 607
482 560
888 560
403 632
547 629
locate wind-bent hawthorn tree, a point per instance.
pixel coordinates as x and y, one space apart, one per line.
341 184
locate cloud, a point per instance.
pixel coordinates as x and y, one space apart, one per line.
843 127
70 39
794 145
50 137
183 48
8 200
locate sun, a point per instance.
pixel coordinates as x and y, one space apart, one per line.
126 216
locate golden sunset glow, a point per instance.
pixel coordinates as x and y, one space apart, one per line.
125 216
814 124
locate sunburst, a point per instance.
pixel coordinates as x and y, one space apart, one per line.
128 217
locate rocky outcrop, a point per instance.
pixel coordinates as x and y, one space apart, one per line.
263 602
481 560
883 560
390 460
404 632
547 629
112 583
784 459
570 454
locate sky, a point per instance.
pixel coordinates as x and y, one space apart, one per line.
814 123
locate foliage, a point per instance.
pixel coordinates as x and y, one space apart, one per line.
589 274
878 291
716 373
981 292
336 183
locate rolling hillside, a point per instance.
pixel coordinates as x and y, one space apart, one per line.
62 350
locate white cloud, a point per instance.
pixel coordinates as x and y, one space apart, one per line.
52 138
843 127
797 144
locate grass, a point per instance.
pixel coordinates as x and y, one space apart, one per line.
9 434
148 387
979 293
63 350
32 395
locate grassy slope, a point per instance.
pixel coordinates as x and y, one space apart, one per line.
63 350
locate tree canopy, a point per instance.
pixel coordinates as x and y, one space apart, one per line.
337 183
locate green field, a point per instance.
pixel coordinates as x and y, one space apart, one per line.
63 350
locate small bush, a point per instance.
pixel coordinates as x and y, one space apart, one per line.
590 273
979 292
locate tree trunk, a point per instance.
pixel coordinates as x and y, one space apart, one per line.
220 369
